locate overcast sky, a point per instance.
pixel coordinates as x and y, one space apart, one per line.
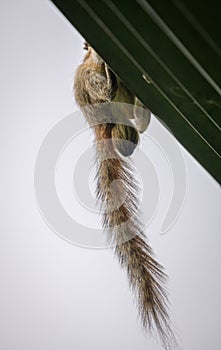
56 295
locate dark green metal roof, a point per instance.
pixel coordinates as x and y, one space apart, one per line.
168 53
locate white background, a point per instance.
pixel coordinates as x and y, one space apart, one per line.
55 295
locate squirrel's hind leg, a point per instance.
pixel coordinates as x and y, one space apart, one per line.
142 116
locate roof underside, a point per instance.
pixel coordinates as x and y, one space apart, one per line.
168 53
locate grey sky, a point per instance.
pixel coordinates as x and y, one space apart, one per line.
55 295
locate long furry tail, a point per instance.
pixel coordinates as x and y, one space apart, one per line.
117 192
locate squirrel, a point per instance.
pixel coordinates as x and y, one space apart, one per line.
96 87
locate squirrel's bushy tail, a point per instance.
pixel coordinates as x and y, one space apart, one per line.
116 190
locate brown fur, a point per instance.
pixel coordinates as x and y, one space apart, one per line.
94 85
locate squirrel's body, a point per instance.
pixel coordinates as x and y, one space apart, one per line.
96 85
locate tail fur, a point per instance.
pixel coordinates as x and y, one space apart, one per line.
117 192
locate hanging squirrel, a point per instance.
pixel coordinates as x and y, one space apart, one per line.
95 87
